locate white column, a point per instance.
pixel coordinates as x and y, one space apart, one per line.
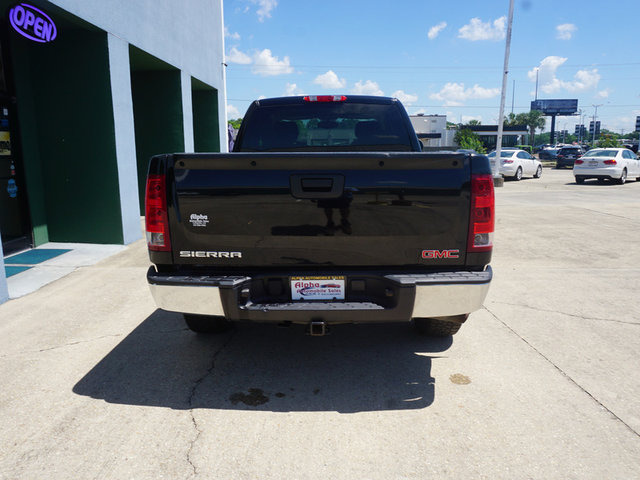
125 138
187 111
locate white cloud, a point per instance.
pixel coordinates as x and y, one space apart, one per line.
604 93
330 80
291 90
548 82
367 88
467 118
236 56
455 94
477 30
565 31
405 98
266 65
436 29
264 62
233 36
232 112
264 8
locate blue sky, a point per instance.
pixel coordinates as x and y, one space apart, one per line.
439 57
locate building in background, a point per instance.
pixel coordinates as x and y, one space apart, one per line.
89 90
432 130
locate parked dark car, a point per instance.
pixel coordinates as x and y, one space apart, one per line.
548 154
568 155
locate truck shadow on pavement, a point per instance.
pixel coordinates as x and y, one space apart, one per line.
266 368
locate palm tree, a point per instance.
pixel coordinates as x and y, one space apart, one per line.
533 120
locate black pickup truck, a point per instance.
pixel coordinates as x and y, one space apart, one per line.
326 212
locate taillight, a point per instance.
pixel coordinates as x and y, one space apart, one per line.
156 217
482 215
610 162
325 98
506 161
579 162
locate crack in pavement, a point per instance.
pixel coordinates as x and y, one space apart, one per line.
563 373
192 395
537 309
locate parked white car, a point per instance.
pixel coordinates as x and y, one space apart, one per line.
615 164
517 163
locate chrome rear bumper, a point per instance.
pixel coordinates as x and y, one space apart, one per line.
423 295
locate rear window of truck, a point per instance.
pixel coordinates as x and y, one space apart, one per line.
325 127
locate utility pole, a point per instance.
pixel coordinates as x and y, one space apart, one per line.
595 115
495 167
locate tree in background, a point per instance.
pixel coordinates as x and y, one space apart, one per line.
468 139
608 141
235 123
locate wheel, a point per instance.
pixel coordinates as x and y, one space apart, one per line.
439 327
623 177
206 323
518 176
579 180
538 173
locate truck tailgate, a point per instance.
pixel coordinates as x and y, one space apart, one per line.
319 209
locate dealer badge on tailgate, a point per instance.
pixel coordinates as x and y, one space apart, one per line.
317 288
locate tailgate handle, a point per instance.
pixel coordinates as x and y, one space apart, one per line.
317 186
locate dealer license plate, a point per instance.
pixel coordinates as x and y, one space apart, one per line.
593 163
318 288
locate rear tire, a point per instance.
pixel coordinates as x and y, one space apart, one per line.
518 176
538 173
623 177
579 180
206 323
439 327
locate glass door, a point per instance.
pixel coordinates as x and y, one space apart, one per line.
15 224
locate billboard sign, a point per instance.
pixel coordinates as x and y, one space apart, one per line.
555 106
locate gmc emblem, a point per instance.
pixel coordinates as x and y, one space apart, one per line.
441 254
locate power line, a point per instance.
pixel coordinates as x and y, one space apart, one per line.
426 67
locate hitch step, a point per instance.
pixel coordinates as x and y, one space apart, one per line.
317 328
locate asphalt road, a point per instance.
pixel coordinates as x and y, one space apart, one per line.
543 383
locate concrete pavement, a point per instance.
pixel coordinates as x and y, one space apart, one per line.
541 383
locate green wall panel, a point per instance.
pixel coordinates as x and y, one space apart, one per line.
66 120
158 118
206 134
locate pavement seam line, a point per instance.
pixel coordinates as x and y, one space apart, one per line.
565 374
73 344
565 313
57 347
607 214
197 384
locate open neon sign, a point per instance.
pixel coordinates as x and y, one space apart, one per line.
32 23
